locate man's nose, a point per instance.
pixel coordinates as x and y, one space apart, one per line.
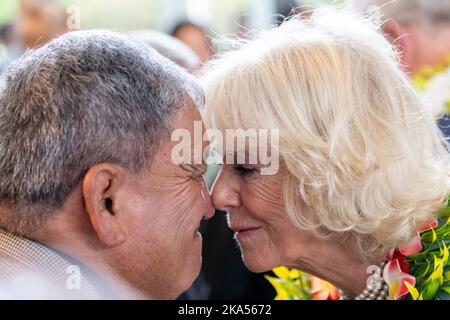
225 192
207 203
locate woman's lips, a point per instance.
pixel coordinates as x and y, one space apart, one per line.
197 232
197 235
245 231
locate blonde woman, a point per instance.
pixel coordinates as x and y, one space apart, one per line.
363 167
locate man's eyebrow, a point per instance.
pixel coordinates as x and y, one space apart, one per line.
202 168
199 168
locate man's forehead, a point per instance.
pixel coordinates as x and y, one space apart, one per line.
188 118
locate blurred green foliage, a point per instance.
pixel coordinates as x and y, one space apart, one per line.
7 10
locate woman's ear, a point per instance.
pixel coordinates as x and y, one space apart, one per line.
100 187
401 38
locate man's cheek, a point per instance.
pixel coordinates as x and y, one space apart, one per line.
188 206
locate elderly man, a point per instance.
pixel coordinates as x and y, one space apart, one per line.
91 203
421 30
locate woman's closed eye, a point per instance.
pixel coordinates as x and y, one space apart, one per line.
245 170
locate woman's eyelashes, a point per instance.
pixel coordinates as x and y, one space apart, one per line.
245 170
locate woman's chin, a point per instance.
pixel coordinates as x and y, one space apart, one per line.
257 264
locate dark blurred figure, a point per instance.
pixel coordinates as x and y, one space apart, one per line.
288 8
7 35
195 37
10 48
40 21
3 58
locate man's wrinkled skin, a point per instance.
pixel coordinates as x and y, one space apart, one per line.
143 226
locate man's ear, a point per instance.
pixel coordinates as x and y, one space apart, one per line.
100 187
401 38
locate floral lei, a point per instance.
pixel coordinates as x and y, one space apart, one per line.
418 271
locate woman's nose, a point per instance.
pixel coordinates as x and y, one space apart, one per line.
225 192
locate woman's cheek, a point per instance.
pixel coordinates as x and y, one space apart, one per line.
264 201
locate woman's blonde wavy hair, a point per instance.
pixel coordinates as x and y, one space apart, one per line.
364 155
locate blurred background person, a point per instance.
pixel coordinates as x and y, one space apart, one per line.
196 38
421 31
40 21
168 47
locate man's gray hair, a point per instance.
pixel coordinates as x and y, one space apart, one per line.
404 10
86 98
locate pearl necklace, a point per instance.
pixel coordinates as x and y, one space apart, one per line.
377 288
